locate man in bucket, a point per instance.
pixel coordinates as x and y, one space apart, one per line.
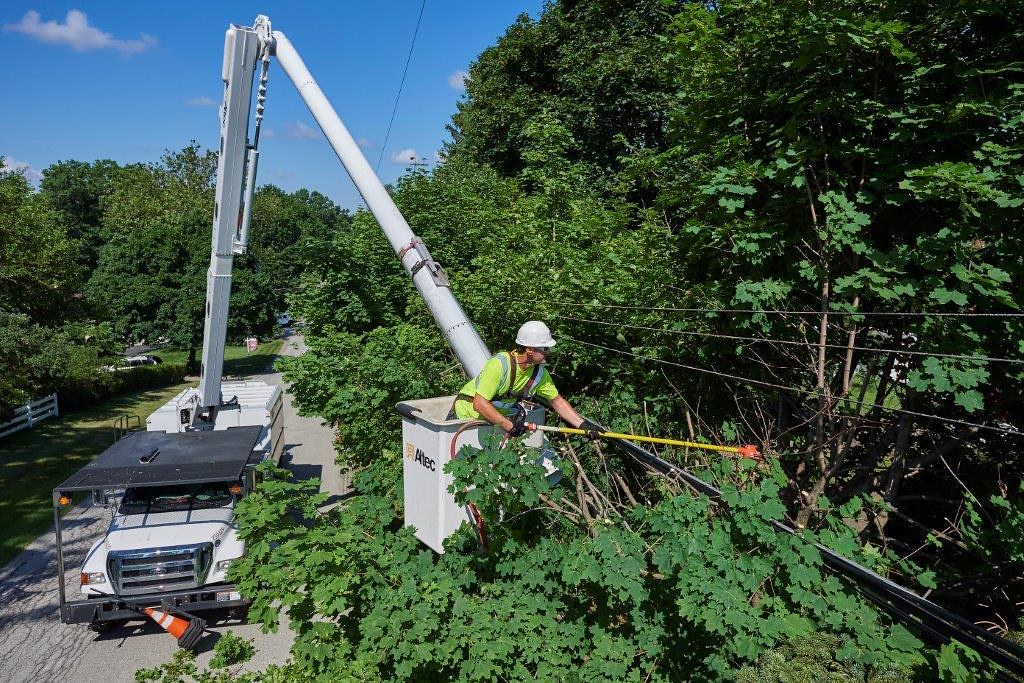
513 376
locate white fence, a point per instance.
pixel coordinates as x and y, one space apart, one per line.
30 413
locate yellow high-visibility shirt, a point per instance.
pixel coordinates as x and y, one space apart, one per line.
494 383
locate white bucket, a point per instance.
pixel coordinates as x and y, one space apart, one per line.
426 448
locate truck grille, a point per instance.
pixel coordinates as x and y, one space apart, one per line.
155 570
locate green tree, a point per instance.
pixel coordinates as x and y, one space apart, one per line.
857 159
151 281
597 66
289 233
77 191
183 180
37 272
151 277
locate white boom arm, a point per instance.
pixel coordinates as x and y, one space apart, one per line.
236 175
244 47
426 273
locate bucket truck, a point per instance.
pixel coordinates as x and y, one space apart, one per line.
172 489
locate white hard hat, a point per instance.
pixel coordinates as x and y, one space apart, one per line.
536 334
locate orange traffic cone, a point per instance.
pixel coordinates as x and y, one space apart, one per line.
188 632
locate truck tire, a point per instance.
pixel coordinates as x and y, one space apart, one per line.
106 626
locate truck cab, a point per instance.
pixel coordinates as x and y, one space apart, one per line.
172 534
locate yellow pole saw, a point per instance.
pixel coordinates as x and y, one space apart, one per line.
748 451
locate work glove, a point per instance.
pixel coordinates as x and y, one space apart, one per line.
590 430
518 419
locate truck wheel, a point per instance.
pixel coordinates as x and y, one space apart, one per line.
105 626
240 613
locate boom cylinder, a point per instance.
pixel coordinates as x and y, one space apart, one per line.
448 313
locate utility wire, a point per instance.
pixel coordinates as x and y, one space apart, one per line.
792 343
933 622
401 85
909 314
812 394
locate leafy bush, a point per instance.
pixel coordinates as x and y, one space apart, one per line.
354 382
813 658
231 649
677 590
85 386
182 667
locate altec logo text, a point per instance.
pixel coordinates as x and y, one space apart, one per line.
420 457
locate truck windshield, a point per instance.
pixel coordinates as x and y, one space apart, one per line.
168 498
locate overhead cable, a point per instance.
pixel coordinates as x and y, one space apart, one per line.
401 85
911 314
953 356
933 622
812 394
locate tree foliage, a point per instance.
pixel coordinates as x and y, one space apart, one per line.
77 191
37 275
656 181
151 276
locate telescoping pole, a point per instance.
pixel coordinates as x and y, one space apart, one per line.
748 451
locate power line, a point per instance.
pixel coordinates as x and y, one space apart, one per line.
909 314
812 394
930 620
401 85
843 347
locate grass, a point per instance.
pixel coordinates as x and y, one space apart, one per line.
34 461
892 400
237 360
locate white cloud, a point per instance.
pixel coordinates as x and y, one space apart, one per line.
202 101
300 131
268 133
31 174
78 34
364 143
458 80
406 156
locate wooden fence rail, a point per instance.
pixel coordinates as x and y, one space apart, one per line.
30 413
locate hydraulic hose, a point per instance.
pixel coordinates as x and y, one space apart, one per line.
478 520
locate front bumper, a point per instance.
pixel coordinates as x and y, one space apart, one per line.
111 608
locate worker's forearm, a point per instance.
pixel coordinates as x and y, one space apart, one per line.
566 411
490 413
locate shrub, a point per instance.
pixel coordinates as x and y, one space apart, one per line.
81 390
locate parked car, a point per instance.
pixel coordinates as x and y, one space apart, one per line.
133 362
137 361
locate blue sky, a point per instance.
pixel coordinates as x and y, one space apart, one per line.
125 81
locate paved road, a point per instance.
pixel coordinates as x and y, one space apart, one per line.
35 646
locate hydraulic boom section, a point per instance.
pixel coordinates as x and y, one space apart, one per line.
244 48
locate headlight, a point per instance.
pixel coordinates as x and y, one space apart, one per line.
95 577
223 565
